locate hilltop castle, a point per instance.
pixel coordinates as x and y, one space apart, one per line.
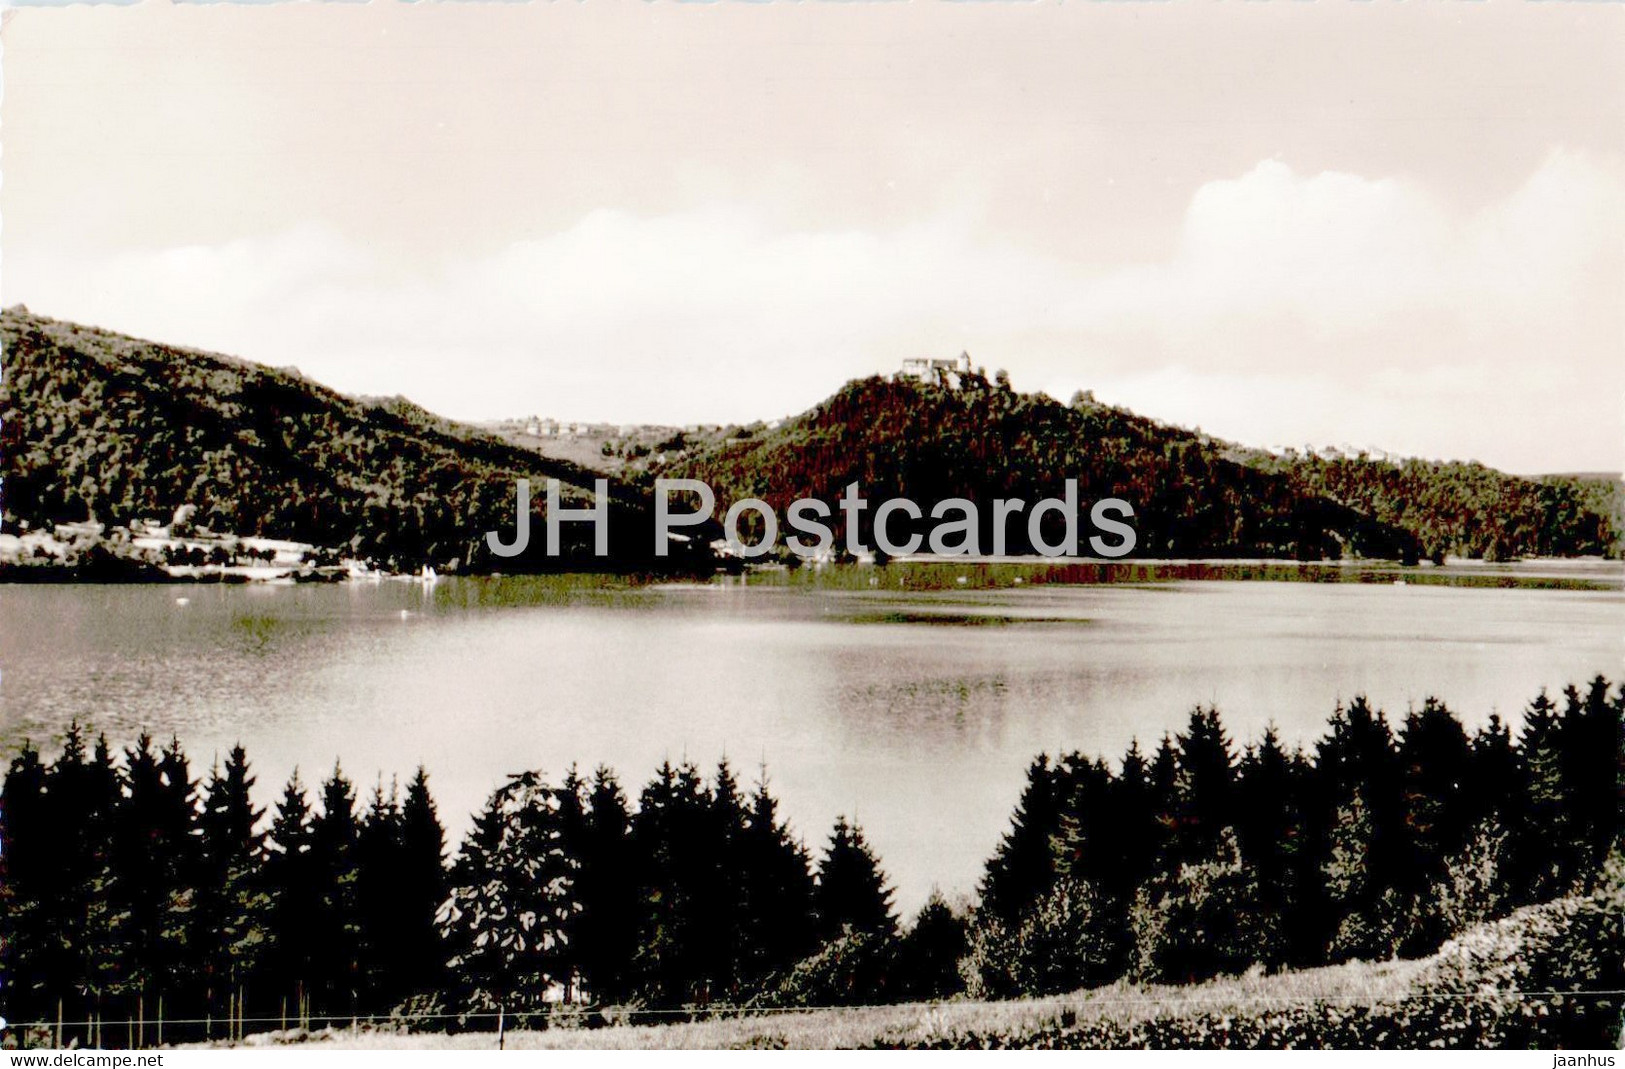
931 369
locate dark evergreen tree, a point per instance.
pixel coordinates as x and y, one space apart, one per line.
181 843
1359 755
382 913
723 884
421 890
1206 785
102 946
604 933
145 870
1268 816
230 821
928 955
232 914
1271 836
676 862
336 980
294 890
104 793
1163 781
1495 782
1592 732
27 866
779 919
1133 825
1086 844
852 891
572 821
1024 865
1542 844
1436 765
83 915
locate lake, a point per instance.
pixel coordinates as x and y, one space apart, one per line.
916 712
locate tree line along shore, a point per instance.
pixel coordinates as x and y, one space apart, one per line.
144 905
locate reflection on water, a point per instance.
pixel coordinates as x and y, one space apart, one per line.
916 711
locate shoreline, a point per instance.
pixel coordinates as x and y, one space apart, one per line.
977 572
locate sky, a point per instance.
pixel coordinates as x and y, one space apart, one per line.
1396 226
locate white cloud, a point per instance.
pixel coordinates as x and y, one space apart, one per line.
1294 307
1381 271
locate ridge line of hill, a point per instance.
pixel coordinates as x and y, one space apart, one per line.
99 425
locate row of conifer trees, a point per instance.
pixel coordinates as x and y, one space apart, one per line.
136 894
1198 860
173 907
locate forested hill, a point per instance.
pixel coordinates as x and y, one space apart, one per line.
1467 509
1193 495
983 441
103 426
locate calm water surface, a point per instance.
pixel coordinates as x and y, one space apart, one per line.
917 713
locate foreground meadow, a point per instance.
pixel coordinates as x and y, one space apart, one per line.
926 1024
1547 976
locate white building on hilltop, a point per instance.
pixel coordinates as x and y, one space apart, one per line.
931 369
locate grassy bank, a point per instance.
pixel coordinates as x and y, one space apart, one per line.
1547 976
928 1024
